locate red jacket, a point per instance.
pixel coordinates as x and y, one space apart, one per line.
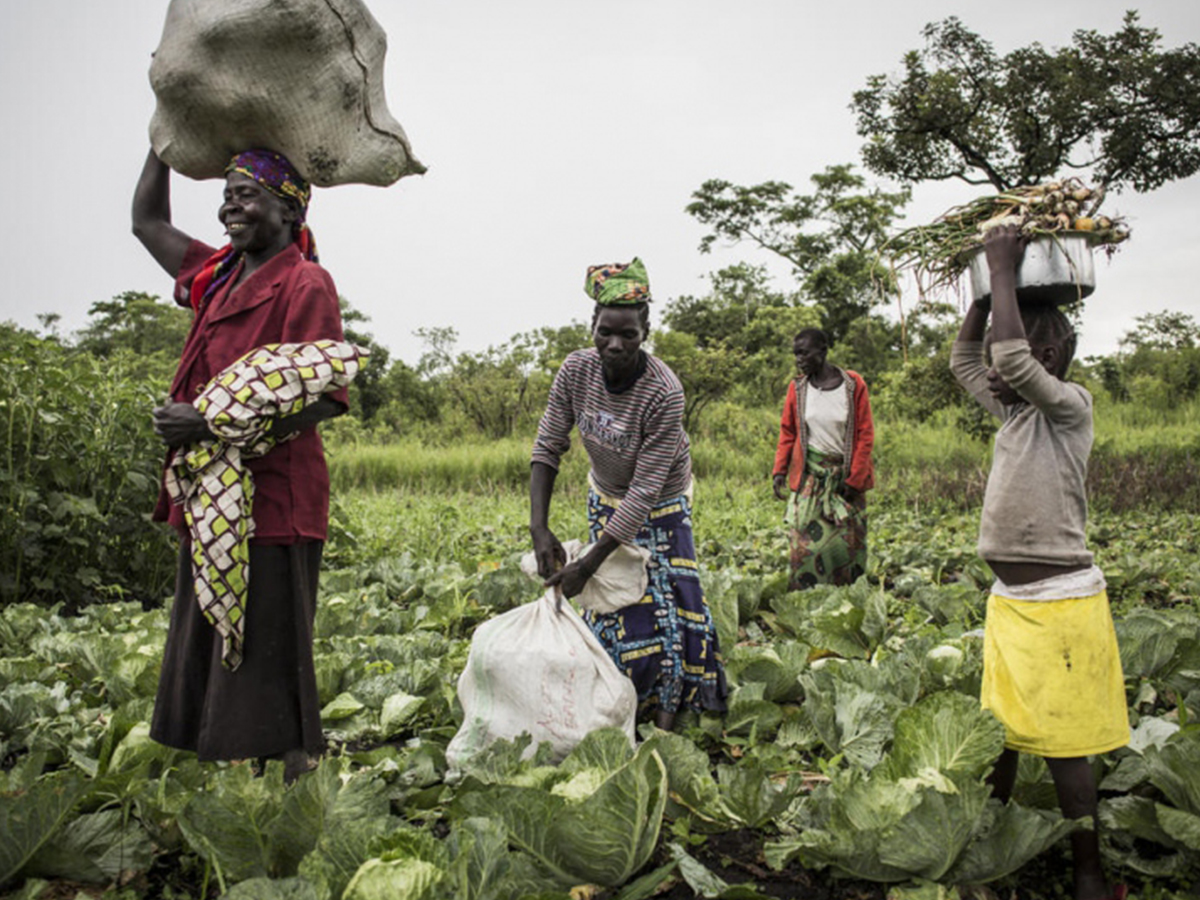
287 299
789 455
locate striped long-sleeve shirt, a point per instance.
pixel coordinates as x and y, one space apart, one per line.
635 439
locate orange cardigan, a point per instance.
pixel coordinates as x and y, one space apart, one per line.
858 469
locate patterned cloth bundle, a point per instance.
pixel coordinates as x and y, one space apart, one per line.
212 482
618 284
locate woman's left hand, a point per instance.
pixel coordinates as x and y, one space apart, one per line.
779 486
179 424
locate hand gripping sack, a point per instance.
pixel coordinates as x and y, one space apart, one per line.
620 580
539 669
301 77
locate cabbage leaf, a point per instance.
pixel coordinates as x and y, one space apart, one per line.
925 811
948 732
31 817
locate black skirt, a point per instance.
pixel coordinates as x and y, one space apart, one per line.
270 703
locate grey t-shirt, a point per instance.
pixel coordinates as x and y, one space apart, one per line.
1035 506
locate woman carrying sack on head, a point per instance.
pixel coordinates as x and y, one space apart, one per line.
826 435
237 678
628 408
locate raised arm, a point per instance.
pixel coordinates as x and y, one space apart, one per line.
152 216
1004 248
974 324
967 358
1027 370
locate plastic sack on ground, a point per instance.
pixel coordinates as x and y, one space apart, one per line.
539 669
301 77
620 580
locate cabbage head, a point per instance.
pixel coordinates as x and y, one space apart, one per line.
600 825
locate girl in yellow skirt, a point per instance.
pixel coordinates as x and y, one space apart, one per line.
1051 671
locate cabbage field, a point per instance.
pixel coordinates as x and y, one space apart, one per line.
850 763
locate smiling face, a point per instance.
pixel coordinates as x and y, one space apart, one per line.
618 334
258 223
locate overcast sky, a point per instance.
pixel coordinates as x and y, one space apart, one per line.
557 134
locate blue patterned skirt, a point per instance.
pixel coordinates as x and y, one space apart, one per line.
666 643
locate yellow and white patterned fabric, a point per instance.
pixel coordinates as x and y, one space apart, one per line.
212 482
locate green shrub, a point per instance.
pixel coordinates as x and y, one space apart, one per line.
917 389
80 474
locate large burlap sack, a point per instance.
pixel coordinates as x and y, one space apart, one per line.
539 669
620 580
301 77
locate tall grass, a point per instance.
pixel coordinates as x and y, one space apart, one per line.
1138 427
1141 458
931 463
468 504
407 463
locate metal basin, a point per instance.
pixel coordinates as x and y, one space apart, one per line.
1056 270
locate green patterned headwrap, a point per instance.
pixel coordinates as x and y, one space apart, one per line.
618 284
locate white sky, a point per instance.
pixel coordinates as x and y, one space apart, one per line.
557 134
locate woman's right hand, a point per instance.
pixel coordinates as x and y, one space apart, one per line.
548 551
779 485
571 578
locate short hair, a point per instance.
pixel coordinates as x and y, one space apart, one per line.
1048 326
643 312
818 336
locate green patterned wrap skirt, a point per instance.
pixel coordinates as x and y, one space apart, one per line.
828 533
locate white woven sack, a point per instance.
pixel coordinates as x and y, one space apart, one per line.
539 669
620 580
301 77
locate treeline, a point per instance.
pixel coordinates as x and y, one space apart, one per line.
731 344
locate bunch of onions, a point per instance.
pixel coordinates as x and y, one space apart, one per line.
938 253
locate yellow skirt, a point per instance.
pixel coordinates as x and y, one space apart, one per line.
1052 675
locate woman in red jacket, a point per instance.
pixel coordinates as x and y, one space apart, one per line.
824 458
264 287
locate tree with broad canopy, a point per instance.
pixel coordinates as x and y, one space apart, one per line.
1118 105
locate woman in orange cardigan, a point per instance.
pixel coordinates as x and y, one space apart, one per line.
826 435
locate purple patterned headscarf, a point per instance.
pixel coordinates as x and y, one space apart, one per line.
273 171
